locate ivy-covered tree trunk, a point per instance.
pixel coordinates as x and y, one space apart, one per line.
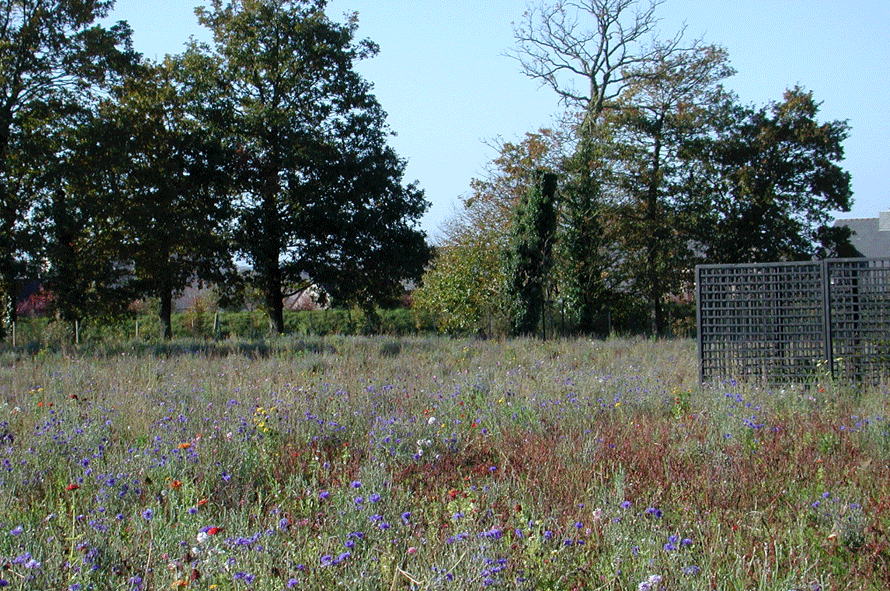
530 258
583 288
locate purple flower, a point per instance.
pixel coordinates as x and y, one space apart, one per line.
16 531
406 516
148 514
292 583
375 498
359 500
327 560
625 505
323 495
356 484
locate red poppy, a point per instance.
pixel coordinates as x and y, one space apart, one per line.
213 531
72 486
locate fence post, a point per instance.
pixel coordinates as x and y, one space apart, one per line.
826 316
698 326
13 334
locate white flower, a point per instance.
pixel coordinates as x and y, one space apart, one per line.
431 421
649 584
202 537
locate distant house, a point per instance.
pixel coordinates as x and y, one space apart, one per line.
871 236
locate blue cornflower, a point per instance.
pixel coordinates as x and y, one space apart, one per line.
148 514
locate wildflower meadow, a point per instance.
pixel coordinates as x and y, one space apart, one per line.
425 463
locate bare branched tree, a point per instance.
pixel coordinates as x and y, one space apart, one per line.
599 43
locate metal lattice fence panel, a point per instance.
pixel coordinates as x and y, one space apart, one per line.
783 322
859 318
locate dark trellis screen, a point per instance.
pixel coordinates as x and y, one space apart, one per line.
781 322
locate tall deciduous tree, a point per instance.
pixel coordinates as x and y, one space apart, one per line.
770 180
588 52
52 59
667 109
320 194
168 186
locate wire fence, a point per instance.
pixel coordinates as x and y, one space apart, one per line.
794 322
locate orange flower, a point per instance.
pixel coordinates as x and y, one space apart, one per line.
202 502
185 445
72 486
175 484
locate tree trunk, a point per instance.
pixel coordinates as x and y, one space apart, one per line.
166 314
274 299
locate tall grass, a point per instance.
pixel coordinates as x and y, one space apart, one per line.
384 463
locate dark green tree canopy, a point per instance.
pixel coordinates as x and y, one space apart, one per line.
54 64
319 193
772 176
165 183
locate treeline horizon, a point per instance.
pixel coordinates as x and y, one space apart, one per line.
128 179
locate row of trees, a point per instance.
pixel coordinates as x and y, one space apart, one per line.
659 168
123 178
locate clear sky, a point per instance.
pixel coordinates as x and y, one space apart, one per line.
448 88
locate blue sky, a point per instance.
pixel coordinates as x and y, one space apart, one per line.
444 79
